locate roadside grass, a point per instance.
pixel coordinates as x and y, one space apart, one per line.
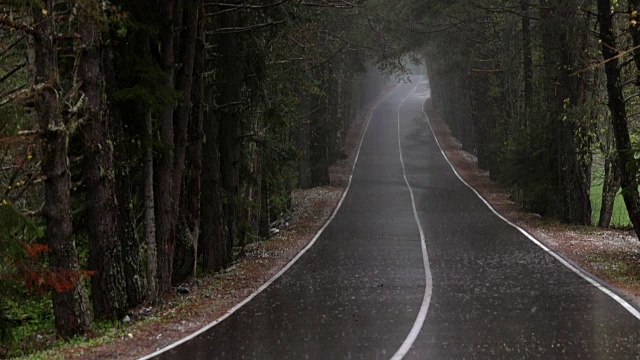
620 217
35 337
620 266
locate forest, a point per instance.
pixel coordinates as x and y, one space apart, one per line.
145 142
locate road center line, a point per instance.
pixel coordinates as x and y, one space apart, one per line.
293 261
426 299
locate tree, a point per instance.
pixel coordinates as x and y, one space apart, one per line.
70 307
627 164
108 288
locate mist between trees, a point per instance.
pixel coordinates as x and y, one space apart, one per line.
144 142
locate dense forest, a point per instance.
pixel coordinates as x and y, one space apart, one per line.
546 95
143 142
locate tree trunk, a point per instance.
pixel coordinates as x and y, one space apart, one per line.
196 136
166 220
127 235
230 121
609 191
570 200
149 213
321 133
108 289
527 64
70 307
212 239
628 166
126 232
303 145
184 82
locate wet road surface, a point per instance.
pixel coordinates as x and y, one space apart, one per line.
360 292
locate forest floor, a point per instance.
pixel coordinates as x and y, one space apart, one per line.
151 327
613 255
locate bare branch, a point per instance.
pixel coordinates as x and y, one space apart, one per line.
234 7
232 30
16 26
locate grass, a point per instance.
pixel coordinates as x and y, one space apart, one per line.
620 217
620 266
27 344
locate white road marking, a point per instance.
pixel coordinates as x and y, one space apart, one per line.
583 273
428 288
293 261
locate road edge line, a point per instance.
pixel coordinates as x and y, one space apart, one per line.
575 268
290 263
428 290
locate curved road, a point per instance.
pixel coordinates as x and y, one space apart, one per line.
363 289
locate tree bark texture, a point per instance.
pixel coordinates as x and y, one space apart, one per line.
149 213
196 136
527 64
71 311
126 232
611 185
183 256
230 94
571 201
166 220
628 166
303 145
108 288
212 240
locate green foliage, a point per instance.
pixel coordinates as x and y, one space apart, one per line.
620 216
15 229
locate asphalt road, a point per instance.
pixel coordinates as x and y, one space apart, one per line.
367 289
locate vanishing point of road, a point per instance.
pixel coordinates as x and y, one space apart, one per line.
415 265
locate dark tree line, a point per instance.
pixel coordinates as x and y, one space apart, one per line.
545 93
147 141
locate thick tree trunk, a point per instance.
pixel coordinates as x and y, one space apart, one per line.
184 80
321 132
166 219
212 239
108 289
126 232
230 121
71 311
196 136
127 235
571 201
212 242
628 166
609 191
